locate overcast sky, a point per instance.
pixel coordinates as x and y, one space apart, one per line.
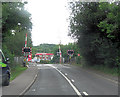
50 24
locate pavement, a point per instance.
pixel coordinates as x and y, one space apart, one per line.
21 83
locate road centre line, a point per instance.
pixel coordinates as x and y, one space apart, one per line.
72 80
85 93
75 89
33 90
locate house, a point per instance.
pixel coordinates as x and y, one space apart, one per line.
44 56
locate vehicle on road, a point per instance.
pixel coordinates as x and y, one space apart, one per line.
4 70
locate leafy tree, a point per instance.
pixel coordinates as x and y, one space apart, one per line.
95 26
64 48
52 48
16 22
14 16
110 25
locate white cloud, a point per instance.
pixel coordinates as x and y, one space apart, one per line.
49 21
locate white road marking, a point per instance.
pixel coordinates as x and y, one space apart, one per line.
72 80
66 67
33 90
44 66
75 89
65 73
39 65
85 93
27 66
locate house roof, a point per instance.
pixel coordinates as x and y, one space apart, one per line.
44 54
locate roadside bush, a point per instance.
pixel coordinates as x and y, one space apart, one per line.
45 62
8 54
78 59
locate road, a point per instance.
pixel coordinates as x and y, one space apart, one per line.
56 79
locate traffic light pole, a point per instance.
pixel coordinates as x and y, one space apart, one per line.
25 56
26 40
25 45
70 53
60 54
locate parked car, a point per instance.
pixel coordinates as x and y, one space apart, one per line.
4 70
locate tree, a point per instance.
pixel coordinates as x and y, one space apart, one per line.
64 48
14 17
95 40
16 22
110 25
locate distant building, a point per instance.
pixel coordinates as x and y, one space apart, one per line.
44 56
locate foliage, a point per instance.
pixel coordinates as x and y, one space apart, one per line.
64 48
45 62
17 70
43 48
78 59
110 25
14 16
106 70
53 48
96 27
16 22
8 54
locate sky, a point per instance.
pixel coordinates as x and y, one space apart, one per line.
50 21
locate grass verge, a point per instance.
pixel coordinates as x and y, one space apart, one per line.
100 68
107 70
16 71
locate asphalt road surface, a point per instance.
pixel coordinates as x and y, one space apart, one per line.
56 79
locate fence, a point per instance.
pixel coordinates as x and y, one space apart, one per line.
18 60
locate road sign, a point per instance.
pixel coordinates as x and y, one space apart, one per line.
26 50
70 52
57 53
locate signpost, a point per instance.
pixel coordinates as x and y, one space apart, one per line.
60 54
26 50
70 53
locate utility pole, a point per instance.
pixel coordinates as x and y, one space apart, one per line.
26 40
26 50
60 52
23 50
25 46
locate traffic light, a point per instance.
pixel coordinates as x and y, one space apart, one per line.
70 52
27 50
